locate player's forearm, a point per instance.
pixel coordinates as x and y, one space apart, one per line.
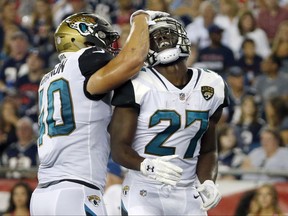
207 167
138 40
127 63
128 158
136 48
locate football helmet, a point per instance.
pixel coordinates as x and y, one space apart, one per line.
81 30
168 41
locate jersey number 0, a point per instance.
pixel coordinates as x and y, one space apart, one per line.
67 123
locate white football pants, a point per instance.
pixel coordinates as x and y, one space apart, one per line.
67 198
144 198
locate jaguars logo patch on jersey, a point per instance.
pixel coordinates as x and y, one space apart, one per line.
95 200
207 92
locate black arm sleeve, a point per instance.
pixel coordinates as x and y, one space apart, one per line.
124 96
90 61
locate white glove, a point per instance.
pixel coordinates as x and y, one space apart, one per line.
162 170
210 194
152 15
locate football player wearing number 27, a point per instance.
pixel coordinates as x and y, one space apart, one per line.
163 129
75 110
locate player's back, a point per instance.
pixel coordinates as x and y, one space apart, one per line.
73 141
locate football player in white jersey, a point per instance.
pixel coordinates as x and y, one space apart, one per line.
75 110
163 129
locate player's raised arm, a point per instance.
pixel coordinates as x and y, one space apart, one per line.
130 59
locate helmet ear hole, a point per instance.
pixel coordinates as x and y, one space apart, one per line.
72 40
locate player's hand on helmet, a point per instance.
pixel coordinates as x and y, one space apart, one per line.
161 169
210 194
152 15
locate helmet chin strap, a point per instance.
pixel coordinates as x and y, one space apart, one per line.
167 56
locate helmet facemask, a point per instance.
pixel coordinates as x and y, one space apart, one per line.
168 42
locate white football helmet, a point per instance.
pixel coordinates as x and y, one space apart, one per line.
168 41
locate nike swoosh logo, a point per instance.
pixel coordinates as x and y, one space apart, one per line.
196 196
99 51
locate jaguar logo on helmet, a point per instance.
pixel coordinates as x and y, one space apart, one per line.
207 92
84 26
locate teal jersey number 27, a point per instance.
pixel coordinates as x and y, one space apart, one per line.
157 145
67 125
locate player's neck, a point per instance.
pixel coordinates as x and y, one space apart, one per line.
175 73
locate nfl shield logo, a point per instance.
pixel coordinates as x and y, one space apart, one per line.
143 193
207 92
182 96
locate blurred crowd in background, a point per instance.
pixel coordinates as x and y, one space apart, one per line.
246 42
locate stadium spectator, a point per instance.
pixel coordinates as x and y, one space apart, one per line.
237 90
217 57
42 29
9 117
19 201
265 202
250 123
275 111
270 17
272 82
280 45
10 19
197 30
249 61
23 153
15 65
230 156
244 203
247 28
227 19
27 85
270 156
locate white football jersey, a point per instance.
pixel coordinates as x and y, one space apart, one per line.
73 140
172 120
